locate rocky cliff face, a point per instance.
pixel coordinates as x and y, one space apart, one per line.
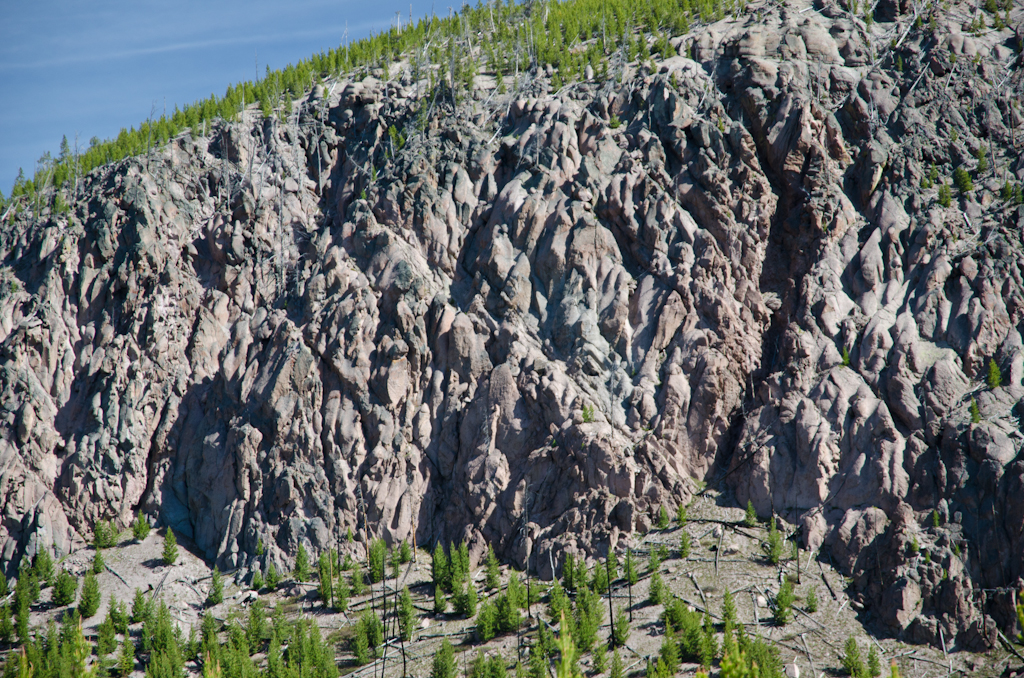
534 319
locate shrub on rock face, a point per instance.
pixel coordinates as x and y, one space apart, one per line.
995 376
945 195
962 180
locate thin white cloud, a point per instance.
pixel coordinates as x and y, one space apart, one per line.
337 31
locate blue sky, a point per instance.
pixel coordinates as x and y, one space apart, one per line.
94 67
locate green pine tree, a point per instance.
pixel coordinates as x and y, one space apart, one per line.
440 601
6 624
663 521
444 662
139 605
620 631
140 527
216 593
377 560
273 578
406 615
945 196
361 645
995 376
975 412
126 660
617 670
629 569
170 548
784 603
874 663
42 566
493 571
656 592
90 601
106 641
812 601
439 567
962 180
64 589
600 658
750 520
358 582
341 593
775 544
301 570
851 658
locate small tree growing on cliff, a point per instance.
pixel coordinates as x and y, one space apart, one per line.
493 570
216 594
750 519
975 412
140 527
962 180
774 544
995 376
273 578
662 518
170 548
301 571
945 195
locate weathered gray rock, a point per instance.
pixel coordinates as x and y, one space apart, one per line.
529 328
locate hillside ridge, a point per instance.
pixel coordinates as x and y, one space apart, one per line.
530 300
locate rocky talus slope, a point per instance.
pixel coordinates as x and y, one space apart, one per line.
534 318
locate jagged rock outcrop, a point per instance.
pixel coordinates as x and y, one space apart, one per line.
522 323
